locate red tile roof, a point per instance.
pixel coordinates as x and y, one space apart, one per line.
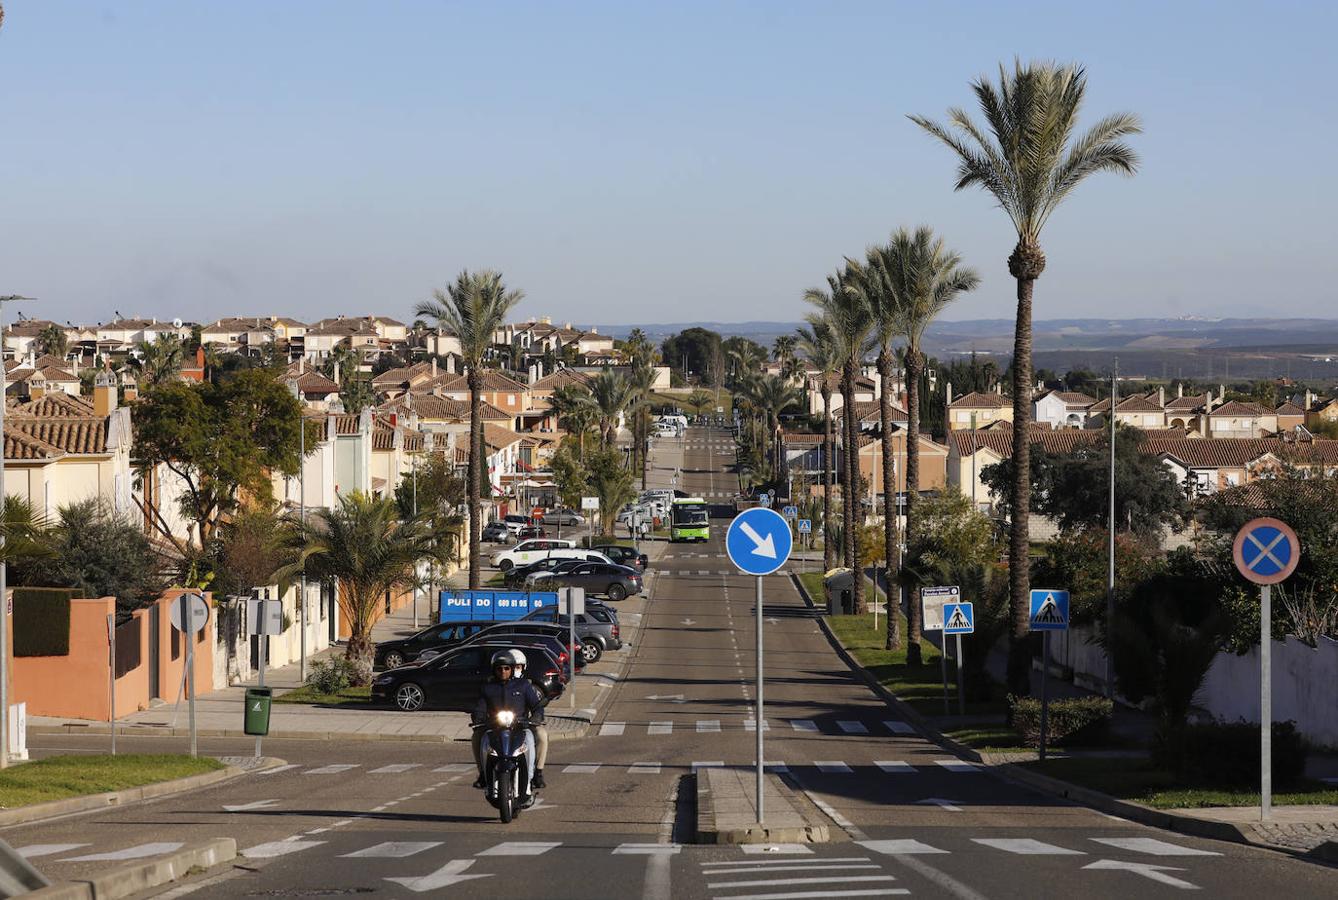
1239 408
977 400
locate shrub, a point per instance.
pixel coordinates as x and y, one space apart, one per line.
1079 720
330 676
1228 754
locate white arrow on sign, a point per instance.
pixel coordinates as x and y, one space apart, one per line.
672 698
447 875
243 807
1147 870
949 805
762 546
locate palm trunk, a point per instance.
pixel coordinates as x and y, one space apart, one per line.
844 473
475 480
893 641
827 448
913 367
855 514
1019 649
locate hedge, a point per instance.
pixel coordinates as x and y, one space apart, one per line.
1229 753
1077 720
42 621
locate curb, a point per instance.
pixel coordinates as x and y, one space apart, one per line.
132 879
708 833
151 731
69 806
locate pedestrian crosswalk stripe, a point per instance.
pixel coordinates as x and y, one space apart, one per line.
455 768
644 769
392 850
751 725
394 768
611 729
271 849
1027 847
581 769
520 848
277 769
905 847
331 769
1152 846
897 727
803 725
709 867
958 765
850 727
770 882
778 767
140 851
32 851
895 767
660 728
780 849
704 725
717 764
647 849
831 765
750 866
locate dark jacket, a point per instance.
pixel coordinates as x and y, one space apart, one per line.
516 694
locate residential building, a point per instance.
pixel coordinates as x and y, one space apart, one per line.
1241 419
976 410
1137 411
1061 409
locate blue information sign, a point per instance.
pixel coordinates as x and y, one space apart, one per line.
805 526
1049 610
758 541
959 618
790 512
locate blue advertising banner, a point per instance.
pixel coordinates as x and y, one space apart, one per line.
500 606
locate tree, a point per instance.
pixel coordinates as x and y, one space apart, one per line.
612 483
1147 497
691 350
612 397
356 394
439 491
27 538
53 340
569 475
250 551
575 412
472 309
822 352
699 400
158 362
101 554
1030 162
363 546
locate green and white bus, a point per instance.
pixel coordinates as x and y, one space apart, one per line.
690 520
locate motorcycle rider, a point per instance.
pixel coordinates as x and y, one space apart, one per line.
504 691
538 729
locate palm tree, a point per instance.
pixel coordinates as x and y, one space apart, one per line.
571 403
612 396
846 310
919 277
773 396
365 548
820 349
472 309
642 378
783 347
158 362
1030 162
53 340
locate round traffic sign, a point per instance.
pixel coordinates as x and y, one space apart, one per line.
1266 551
758 541
199 612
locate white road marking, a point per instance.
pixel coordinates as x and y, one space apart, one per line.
447 875
705 725
832 765
277 769
139 851
751 725
895 767
898 727
1147 870
392 850
716 764
647 849
394 768
258 804
644 769
455 768
850 727
781 849
520 848
1152 846
660 728
32 851
960 766
581 769
900 847
611 729
778 882
1026 847
332 769
804 725
271 849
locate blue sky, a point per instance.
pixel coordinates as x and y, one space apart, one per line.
628 162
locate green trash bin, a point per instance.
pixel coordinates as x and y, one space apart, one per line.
258 701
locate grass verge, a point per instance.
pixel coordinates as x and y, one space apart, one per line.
1138 780
988 738
59 777
308 694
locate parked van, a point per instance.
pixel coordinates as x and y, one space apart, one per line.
530 551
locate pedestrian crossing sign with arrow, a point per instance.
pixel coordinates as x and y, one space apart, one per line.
1049 610
959 618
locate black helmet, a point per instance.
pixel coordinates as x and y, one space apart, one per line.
505 658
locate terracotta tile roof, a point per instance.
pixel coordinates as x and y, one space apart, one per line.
21 445
494 380
560 378
497 437
803 439
46 360
1289 409
402 375
1188 402
1239 452
977 400
347 424
314 383
1239 408
69 434
1137 404
1064 440
431 406
1074 399
54 405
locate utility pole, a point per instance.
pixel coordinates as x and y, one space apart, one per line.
1110 568
414 457
302 519
4 574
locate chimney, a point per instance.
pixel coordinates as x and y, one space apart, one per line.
1179 389
1161 397
1208 404
450 365
434 367
104 395
302 364
1309 399
36 388
131 392
1221 391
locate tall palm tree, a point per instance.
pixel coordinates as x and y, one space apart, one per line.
641 378
772 396
612 396
820 348
1030 162
571 403
847 311
53 340
158 362
472 309
920 277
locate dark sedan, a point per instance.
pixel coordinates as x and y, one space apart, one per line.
452 680
613 581
393 654
624 556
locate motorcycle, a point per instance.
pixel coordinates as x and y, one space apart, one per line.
506 771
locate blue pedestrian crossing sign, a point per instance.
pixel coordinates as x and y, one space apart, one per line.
1266 551
804 526
758 541
790 512
1049 610
959 618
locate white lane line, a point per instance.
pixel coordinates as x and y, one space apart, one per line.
804 725
394 768
961 766
1026 847
899 848
137 852
32 851
779 849
832 765
705 725
645 768
392 850
898 727
520 848
1152 846
271 849
707 867
277 769
612 729
715 764
895 767
852 727
778 882
332 769
647 849
660 728
751 725
455 768
581 769
818 864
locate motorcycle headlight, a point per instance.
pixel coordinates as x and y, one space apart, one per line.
505 718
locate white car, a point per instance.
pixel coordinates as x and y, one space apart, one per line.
530 551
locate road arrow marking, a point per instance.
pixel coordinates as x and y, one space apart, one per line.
689 621
762 546
672 698
243 807
772 620
949 805
1147 870
447 875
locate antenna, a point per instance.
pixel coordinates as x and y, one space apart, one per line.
176 323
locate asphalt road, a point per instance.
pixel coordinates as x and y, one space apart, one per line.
400 819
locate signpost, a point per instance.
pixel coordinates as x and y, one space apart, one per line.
959 619
111 680
264 617
575 598
804 527
1266 552
590 506
758 543
1049 612
189 614
932 601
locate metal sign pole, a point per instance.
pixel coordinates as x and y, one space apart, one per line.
961 685
1265 701
943 665
188 619
571 642
760 720
111 680
1045 685
262 641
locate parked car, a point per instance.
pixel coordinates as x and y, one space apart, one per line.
597 630
517 521
529 551
515 577
501 631
452 679
610 580
393 654
563 517
529 531
547 568
624 556
495 533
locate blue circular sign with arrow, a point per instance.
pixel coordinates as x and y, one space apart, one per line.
758 541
